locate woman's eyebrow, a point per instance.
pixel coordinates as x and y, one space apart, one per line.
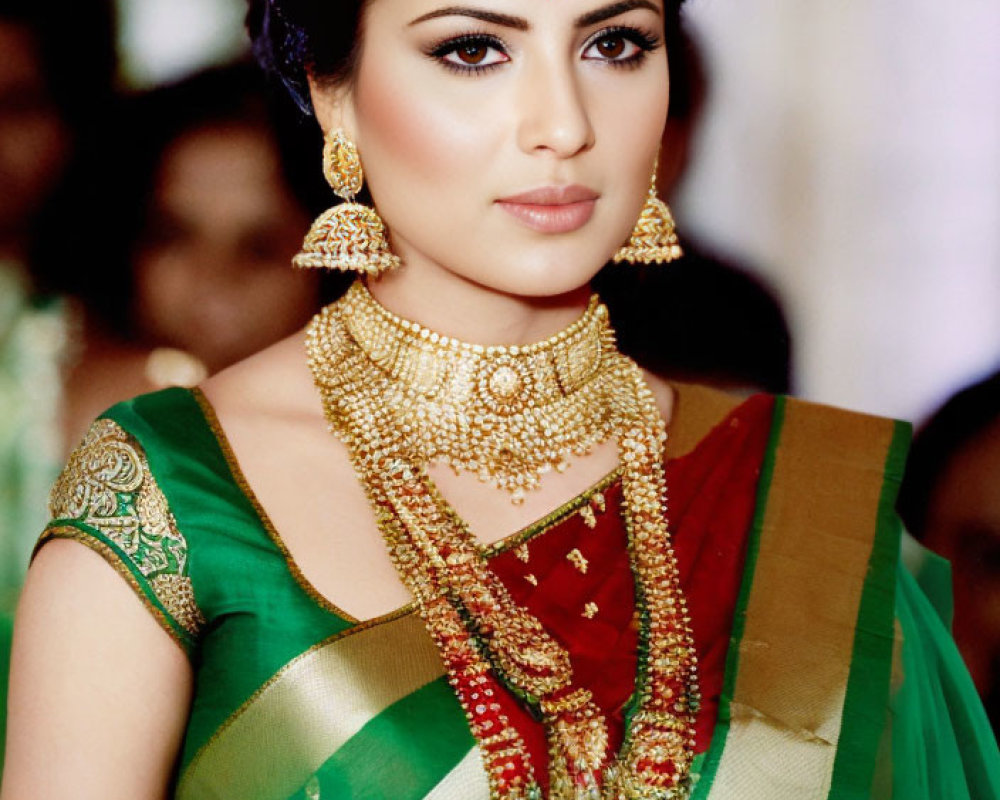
505 20
520 23
613 10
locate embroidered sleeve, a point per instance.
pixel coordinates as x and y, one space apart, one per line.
108 499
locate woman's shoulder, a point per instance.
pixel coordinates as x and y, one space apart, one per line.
187 423
271 389
843 438
155 489
177 438
268 413
160 439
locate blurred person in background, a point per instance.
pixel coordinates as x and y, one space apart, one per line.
194 226
57 63
706 319
950 501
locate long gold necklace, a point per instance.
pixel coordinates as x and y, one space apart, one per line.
402 397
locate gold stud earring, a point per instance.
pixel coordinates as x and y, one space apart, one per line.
349 237
654 239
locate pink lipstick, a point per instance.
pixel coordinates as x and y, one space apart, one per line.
552 209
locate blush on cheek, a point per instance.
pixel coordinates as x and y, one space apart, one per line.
414 137
400 133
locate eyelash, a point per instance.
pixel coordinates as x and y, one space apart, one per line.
645 42
455 43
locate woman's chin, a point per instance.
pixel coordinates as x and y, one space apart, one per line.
537 273
517 263
540 284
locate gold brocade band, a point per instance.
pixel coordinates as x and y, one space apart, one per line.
310 709
795 654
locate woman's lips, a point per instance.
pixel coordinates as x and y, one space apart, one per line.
552 209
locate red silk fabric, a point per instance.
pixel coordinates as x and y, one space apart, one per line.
712 496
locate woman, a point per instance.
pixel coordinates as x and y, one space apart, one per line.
377 647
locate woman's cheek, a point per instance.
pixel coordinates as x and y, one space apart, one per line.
408 134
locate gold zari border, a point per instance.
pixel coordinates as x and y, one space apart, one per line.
313 706
795 653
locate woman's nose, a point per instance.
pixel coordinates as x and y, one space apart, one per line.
553 111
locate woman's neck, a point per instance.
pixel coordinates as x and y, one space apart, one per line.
453 306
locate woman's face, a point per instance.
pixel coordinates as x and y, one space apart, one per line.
213 273
509 143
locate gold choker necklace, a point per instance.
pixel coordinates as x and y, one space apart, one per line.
400 397
508 414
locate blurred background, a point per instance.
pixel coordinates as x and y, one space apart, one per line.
834 169
851 151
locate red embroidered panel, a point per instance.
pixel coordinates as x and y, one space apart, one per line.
712 495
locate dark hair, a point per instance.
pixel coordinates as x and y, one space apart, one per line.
293 38
702 319
951 428
75 44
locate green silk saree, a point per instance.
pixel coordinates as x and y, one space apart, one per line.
837 679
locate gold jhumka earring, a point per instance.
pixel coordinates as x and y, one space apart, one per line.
349 237
654 239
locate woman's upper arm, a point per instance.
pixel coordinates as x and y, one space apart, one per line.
99 691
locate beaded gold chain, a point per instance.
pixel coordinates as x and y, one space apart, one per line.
402 397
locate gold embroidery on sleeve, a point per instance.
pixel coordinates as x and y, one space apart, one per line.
107 484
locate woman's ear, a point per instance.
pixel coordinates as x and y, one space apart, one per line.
332 105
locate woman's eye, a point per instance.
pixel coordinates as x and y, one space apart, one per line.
471 54
620 47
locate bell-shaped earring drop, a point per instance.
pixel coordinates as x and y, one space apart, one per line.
654 239
349 237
